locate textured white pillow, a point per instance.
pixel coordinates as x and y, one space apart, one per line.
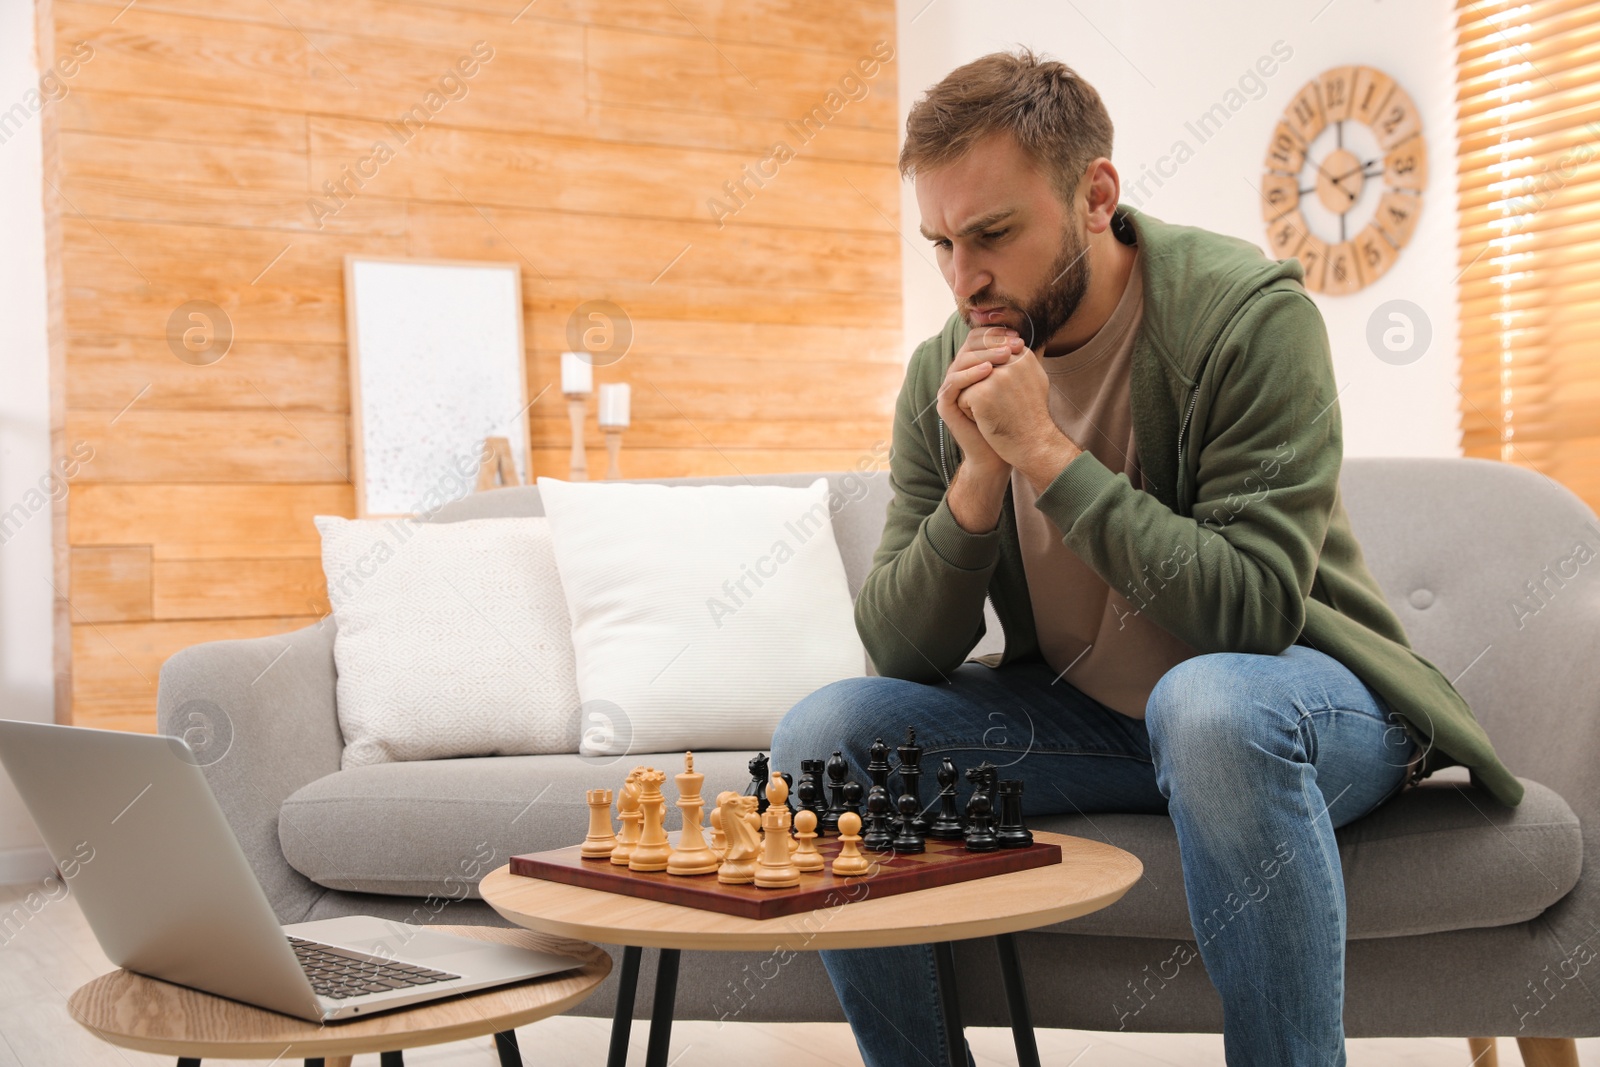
453 639
700 614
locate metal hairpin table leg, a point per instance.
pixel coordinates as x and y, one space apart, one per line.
944 959
505 1042
662 1007
1017 1000
622 1017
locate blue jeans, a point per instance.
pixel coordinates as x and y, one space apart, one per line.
1256 759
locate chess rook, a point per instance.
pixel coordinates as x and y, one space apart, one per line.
602 837
1012 833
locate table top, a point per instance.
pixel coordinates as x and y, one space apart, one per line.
1090 876
150 1015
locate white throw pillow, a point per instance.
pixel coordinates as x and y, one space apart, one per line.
700 614
453 639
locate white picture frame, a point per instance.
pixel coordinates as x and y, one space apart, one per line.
437 364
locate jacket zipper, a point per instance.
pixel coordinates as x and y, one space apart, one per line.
944 470
1194 395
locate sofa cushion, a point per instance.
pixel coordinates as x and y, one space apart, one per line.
421 827
1439 857
1442 856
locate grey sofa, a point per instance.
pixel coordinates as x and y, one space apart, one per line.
1465 918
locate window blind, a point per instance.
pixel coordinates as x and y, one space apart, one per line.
1528 187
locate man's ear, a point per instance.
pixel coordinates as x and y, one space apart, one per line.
1104 190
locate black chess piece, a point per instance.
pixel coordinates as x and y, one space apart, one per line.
760 773
877 836
946 825
909 838
1011 832
911 779
811 771
838 771
788 796
852 799
878 766
808 799
980 811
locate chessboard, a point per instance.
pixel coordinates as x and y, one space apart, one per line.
943 863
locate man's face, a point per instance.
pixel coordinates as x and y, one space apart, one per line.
1011 252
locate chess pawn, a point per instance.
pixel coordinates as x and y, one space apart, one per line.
629 815
850 862
946 825
810 794
908 839
1011 832
852 798
759 764
777 870
602 837
651 852
693 855
838 771
806 857
878 838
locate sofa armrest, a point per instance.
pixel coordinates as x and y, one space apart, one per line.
262 718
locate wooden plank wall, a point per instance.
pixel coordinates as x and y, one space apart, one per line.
192 158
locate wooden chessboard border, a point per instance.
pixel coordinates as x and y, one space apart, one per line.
944 863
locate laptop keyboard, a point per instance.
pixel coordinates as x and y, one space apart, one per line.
340 973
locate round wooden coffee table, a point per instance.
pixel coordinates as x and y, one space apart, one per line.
1090 876
150 1015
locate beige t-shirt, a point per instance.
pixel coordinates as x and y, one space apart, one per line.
1091 635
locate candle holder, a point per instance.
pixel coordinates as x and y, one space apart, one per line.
577 407
577 382
614 411
614 452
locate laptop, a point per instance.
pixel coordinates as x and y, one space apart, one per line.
142 843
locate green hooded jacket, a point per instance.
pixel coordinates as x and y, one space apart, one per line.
1238 542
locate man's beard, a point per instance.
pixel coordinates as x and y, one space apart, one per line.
1048 311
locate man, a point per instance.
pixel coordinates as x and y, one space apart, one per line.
1127 438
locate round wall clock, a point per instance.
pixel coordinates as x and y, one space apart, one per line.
1344 131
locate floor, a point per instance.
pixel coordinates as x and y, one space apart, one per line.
54 952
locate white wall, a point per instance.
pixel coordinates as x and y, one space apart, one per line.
1159 64
25 575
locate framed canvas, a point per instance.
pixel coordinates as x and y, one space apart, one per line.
436 366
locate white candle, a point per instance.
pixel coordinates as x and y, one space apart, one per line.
577 373
614 404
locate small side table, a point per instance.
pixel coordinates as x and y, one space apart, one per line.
147 1014
1090 876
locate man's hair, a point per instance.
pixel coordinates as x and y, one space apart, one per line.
1057 118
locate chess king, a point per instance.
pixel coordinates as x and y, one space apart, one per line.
1127 433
